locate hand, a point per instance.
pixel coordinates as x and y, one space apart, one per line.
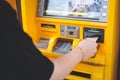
88 48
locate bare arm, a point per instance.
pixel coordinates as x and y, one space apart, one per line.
65 64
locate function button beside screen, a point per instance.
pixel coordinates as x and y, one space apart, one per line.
105 7
105 0
104 14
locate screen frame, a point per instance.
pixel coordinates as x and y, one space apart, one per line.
45 5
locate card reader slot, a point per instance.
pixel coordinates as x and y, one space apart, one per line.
94 32
100 38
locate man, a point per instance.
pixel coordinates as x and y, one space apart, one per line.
21 60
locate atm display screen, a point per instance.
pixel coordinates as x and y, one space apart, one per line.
75 9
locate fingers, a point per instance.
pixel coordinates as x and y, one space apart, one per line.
89 47
93 40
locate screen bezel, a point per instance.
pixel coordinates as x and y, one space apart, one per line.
43 14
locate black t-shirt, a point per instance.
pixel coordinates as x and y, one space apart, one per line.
19 58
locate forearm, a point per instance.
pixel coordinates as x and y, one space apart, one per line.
64 65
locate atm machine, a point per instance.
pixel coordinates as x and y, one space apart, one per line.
57 26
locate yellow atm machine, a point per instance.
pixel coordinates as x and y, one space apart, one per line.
57 26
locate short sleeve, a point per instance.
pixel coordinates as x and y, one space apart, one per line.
37 64
19 58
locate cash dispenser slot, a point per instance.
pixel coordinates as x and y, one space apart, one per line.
81 74
94 32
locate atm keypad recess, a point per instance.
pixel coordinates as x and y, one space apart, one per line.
63 46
